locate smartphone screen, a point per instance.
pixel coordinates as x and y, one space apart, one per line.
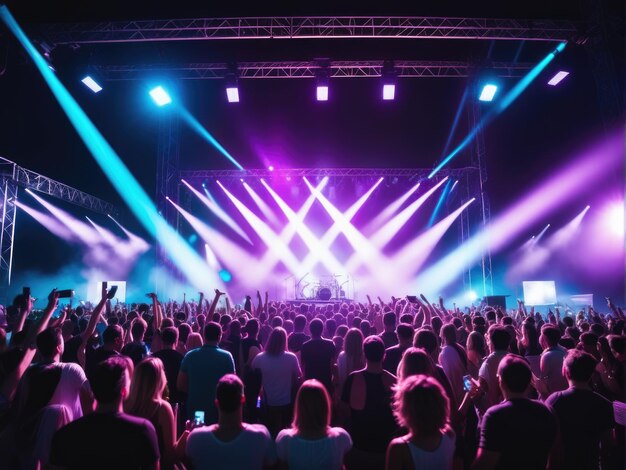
467 383
198 418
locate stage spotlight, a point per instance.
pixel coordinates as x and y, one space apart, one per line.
91 84
232 93
558 78
270 168
225 275
471 295
488 92
322 76
160 96
388 75
322 92
389 92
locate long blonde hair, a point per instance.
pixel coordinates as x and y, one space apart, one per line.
312 409
353 349
147 387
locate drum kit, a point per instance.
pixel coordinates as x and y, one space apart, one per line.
325 288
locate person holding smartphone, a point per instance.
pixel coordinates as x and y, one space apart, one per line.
230 443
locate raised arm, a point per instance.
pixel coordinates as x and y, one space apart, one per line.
91 326
199 306
25 309
216 299
9 385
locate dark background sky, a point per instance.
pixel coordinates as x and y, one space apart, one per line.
279 119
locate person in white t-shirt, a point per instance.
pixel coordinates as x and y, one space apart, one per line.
73 390
231 443
310 443
280 375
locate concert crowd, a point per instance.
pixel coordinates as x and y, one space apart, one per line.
389 384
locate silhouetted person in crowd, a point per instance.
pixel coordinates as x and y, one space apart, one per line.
200 371
136 349
112 343
499 340
231 443
393 354
280 375
427 340
298 337
518 433
73 390
171 360
367 393
585 418
318 356
552 379
389 336
130 442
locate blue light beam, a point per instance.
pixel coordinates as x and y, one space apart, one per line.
206 135
442 198
195 269
501 105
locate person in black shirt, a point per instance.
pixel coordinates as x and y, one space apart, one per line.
518 433
250 347
112 341
585 417
232 344
130 442
394 353
318 356
368 395
389 336
137 349
171 362
298 337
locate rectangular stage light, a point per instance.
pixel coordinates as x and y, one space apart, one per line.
389 92
558 78
488 92
232 93
160 96
91 84
539 292
322 93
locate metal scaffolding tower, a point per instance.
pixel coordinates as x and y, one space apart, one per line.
167 180
12 176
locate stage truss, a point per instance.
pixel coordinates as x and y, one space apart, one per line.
317 28
313 27
309 69
13 176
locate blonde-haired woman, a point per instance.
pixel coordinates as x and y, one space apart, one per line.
147 400
351 358
421 406
311 443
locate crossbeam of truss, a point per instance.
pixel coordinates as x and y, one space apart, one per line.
307 69
32 180
415 173
316 27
